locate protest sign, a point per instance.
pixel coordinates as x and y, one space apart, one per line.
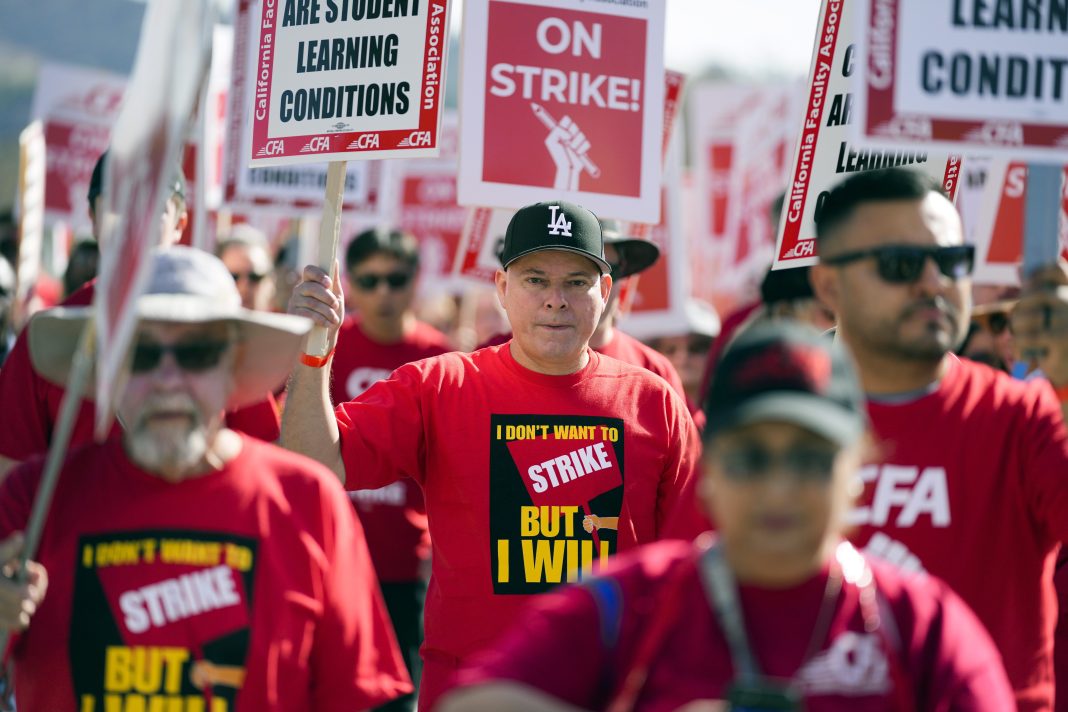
979 74
346 79
480 243
826 152
290 189
999 223
77 107
146 143
563 97
30 207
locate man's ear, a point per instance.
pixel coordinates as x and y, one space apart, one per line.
606 287
500 281
824 281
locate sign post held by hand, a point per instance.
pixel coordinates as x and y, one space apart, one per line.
329 229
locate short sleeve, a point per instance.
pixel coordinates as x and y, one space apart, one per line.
382 432
1043 441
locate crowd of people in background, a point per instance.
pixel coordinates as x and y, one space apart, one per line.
850 492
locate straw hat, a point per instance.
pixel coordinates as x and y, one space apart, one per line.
186 286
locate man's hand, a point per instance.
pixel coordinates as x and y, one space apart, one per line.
19 601
319 298
1040 322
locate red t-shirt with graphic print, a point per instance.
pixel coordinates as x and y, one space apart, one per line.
973 483
31 403
394 516
244 589
516 466
945 657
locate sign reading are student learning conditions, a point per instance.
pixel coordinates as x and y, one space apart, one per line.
348 79
825 153
563 96
985 74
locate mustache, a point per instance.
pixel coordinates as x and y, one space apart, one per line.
168 404
939 303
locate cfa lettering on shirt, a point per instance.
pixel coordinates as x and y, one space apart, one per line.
854 665
911 491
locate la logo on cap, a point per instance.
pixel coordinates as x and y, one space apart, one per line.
559 224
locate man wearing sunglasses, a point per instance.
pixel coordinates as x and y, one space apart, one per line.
382 335
188 566
245 255
32 403
515 445
971 482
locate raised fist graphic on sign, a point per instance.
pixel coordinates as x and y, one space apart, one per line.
568 147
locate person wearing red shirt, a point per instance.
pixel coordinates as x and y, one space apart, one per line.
188 566
33 403
778 612
382 267
538 458
971 478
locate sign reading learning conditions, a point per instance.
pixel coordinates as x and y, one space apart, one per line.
346 79
985 74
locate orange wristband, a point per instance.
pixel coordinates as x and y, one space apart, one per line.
1062 393
316 361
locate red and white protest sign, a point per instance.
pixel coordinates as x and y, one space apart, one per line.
30 210
296 190
742 135
563 98
825 153
426 207
77 107
146 142
992 76
480 243
999 227
337 81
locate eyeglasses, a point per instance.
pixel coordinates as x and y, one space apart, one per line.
369 282
193 357
807 465
252 277
900 264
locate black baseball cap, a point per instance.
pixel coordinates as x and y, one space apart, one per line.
554 225
786 372
635 254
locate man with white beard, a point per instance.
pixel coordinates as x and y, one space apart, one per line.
188 565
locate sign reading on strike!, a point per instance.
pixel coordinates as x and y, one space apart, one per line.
344 79
825 154
563 95
966 74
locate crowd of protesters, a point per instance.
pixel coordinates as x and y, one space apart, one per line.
850 493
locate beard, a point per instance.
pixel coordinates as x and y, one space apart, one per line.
931 343
172 447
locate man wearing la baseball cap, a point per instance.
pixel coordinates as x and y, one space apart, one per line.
517 446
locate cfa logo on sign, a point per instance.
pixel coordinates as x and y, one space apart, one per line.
366 141
417 138
559 224
273 147
317 144
998 134
906 127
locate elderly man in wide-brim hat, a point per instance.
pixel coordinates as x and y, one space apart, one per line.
191 566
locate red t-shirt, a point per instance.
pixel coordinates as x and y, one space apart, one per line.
32 403
512 463
973 481
393 517
944 654
248 588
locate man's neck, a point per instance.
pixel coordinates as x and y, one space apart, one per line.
882 373
603 334
553 368
388 331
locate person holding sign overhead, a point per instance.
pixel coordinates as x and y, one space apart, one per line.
514 445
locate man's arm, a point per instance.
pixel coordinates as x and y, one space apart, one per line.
308 423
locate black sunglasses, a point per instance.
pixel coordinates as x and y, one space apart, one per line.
755 464
252 277
369 282
194 357
901 264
